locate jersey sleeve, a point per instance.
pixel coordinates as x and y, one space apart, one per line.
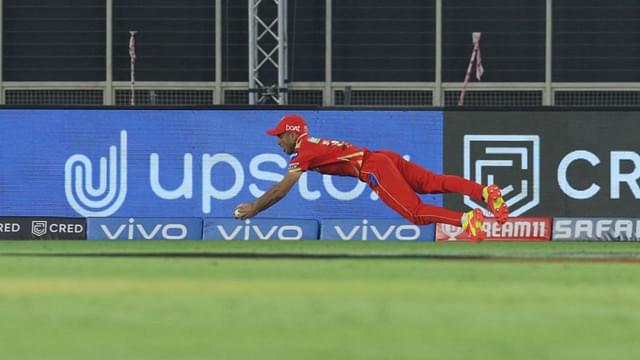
298 163
301 160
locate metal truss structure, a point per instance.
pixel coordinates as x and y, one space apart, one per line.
268 52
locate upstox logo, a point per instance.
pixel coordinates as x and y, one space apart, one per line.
108 196
510 161
99 188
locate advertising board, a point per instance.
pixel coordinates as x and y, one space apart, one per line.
515 229
191 163
260 229
596 229
42 228
374 229
114 228
549 163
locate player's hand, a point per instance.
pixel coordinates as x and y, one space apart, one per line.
245 211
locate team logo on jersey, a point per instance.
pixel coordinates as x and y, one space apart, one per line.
314 140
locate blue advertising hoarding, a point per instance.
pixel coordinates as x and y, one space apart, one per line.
260 229
144 228
191 163
375 229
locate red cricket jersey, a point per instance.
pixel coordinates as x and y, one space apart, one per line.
330 157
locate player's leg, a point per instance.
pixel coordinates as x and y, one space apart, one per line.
385 179
424 181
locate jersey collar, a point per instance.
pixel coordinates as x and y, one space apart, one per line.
299 140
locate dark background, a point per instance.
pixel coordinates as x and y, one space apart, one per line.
560 133
26 223
373 40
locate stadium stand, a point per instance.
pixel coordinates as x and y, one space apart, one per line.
400 53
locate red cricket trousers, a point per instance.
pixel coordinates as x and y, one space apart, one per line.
398 183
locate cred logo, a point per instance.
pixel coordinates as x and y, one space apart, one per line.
9 227
38 228
41 227
510 161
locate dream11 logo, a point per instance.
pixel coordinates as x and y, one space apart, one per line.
510 161
107 197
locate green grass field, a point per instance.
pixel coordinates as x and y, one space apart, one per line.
318 300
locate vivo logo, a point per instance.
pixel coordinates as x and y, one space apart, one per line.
380 232
133 231
265 232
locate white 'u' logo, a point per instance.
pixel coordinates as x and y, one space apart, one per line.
105 199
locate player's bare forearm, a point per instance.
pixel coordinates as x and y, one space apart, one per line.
270 197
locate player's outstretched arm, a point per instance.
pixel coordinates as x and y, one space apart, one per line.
272 196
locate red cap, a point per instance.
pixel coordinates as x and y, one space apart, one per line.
293 123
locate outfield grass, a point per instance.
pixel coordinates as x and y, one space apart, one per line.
163 307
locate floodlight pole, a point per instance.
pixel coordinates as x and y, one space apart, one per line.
268 52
